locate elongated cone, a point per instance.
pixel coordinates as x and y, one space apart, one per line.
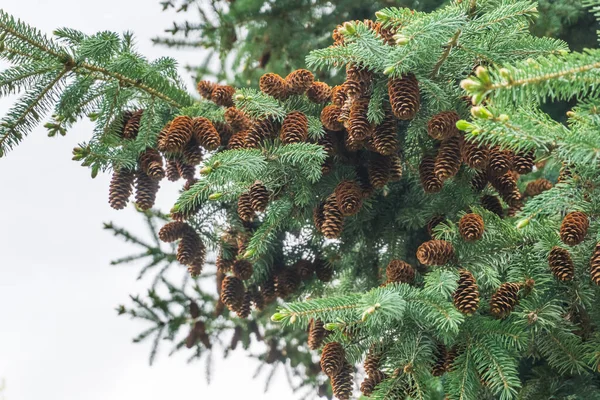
333 358
121 187
435 252
404 96
429 181
316 334
561 264
466 295
348 195
595 265
574 228
505 299
294 128
443 125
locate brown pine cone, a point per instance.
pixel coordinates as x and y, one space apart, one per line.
566 173
305 269
224 130
353 88
471 227
433 222
476 155
429 181
232 293
348 195
237 119
479 181
180 132
379 169
242 269
267 290
222 264
368 385
524 162
190 248
333 358
245 211
205 88
120 189
259 131
259 196
574 227
186 171
172 171
132 125
385 138
205 133
274 85
237 140
506 185
595 265
195 268
466 295
395 169
338 95
505 299
316 334
399 271
435 252
258 299
244 310
323 270
451 356
514 209
319 216
342 383
161 138
192 153
146 189
372 361
442 126
561 264
299 81
359 127
360 75
333 220
173 231
439 366
294 128
404 96
319 92
538 186
492 203
500 161
151 163
330 118
287 282
222 95
447 162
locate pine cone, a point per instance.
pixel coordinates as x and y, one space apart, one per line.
316 334
259 196
287 282
439 367
524 162
505 300
330 118
237 119
205 88
232 293
476 155
433 222
205 133
372 361
435 252
244 310
595 265
506 185
323 270
338 95
259 131
492 203
466 295
245 211
450 357
471 227
429 181
132 125
195 268
333 358
574 227
368 385
342 383
379 170
242 269
319 216
146 189
222 95
222 264
385 138
180 132
447 162
479 181
538 186
258 299
319 92
348 195
404 96
294 128
359 127
333 220
172 171
174 231
274 85
399 271
395 169
305 269
442 126
186 171
500 161
190 248
151 163
299 81
267 290
353 88
161 138
120 188
237 140
192 153
561 264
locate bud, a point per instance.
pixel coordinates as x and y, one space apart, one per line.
523 223
477 98
380 15
349 27
215 196
205 170
331 326
389 70
293 319
505 73
470 85
503 117
463 125
400 39
277 317
475 132
249 253
95 170
570 114
483 75
239 97
481 112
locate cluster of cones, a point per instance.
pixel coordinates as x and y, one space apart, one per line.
338 369
191 250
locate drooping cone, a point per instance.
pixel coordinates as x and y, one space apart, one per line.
435 252
360 79
224 130
333 358
205 133
574 227
475 155
222 95
161 138
433 222
273 85
319 92
194 309
561 264
245 211
395 168
330 118
172 171
359 127
595 265
146 189
258 299
192 153
399 271
180 132
299 81
316 334
429 181
385 138
294 128
205 88
442 126
120 188
338 95
305 269
333 220
267 289
524 162
186 171
492 203
372 361
237 119
342 382
479 181
507 188
287 282
538 186
132 125
259 196
439 366
348 195
190 248
151 163
500 161
323 270
173 231
379 170
232 293
466 295
368 385
319 216
447 162
505 300
242 269
471 227
259 131
404 95
237 140
450 357
244 310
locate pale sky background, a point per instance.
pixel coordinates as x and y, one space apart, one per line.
60 337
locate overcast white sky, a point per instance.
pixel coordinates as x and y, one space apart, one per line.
60 338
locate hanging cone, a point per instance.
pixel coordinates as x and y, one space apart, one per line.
492 203
348 195
120 188
242 269
316 334
561 264
205 89
342 383
574 228
500 161
299 81
222 95
479 181
305 269
368 385
466 295
174 231
435 252
259 196
330 118
237 140
379 170
447 162
232 293
132 125
524 162
259 131
471 227
504 300
146 189
273 85
338 95
333 358
172 171
399 271
537 187
385 138
319 92
180 132
333 220
245 211
395 168
205 133
595 265
442 126
323 270
439 366
237 119
476 155
151 163
405 98
294 128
